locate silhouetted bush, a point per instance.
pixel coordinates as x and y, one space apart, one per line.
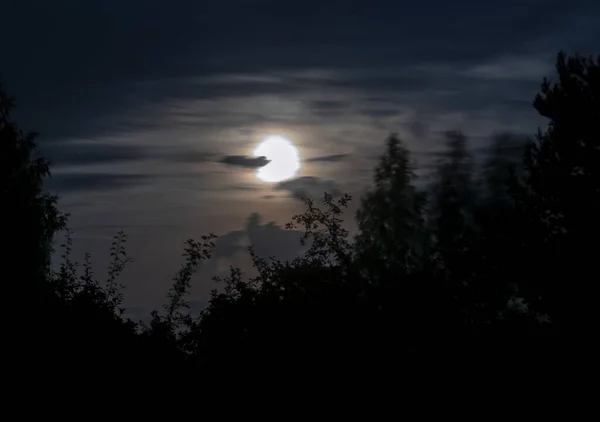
479 256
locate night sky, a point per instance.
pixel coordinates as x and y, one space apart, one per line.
150 110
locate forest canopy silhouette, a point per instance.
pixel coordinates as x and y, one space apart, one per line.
506 247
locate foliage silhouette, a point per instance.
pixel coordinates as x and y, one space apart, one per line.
560 197
31 215
391 217
481 254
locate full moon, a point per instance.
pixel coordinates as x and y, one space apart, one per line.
284 159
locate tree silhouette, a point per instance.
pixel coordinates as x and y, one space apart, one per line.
499 228
503 159
430 276
30 215
391 218
559 196
453 226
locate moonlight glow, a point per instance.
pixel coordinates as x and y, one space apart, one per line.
284 157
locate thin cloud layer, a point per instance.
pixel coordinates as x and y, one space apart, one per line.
327 158
87 182
62 153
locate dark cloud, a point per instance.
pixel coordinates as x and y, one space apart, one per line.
243 161
328 108
188 156
245 188
308 187
271 240
326 105
79 153
104 54
388 110
268 240
75 182
170 184
70 152
327 158
228 244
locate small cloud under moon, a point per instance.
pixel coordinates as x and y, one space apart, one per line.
244 161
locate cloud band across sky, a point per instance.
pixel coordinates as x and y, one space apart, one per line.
150 112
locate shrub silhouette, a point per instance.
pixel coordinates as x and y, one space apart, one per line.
482 253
